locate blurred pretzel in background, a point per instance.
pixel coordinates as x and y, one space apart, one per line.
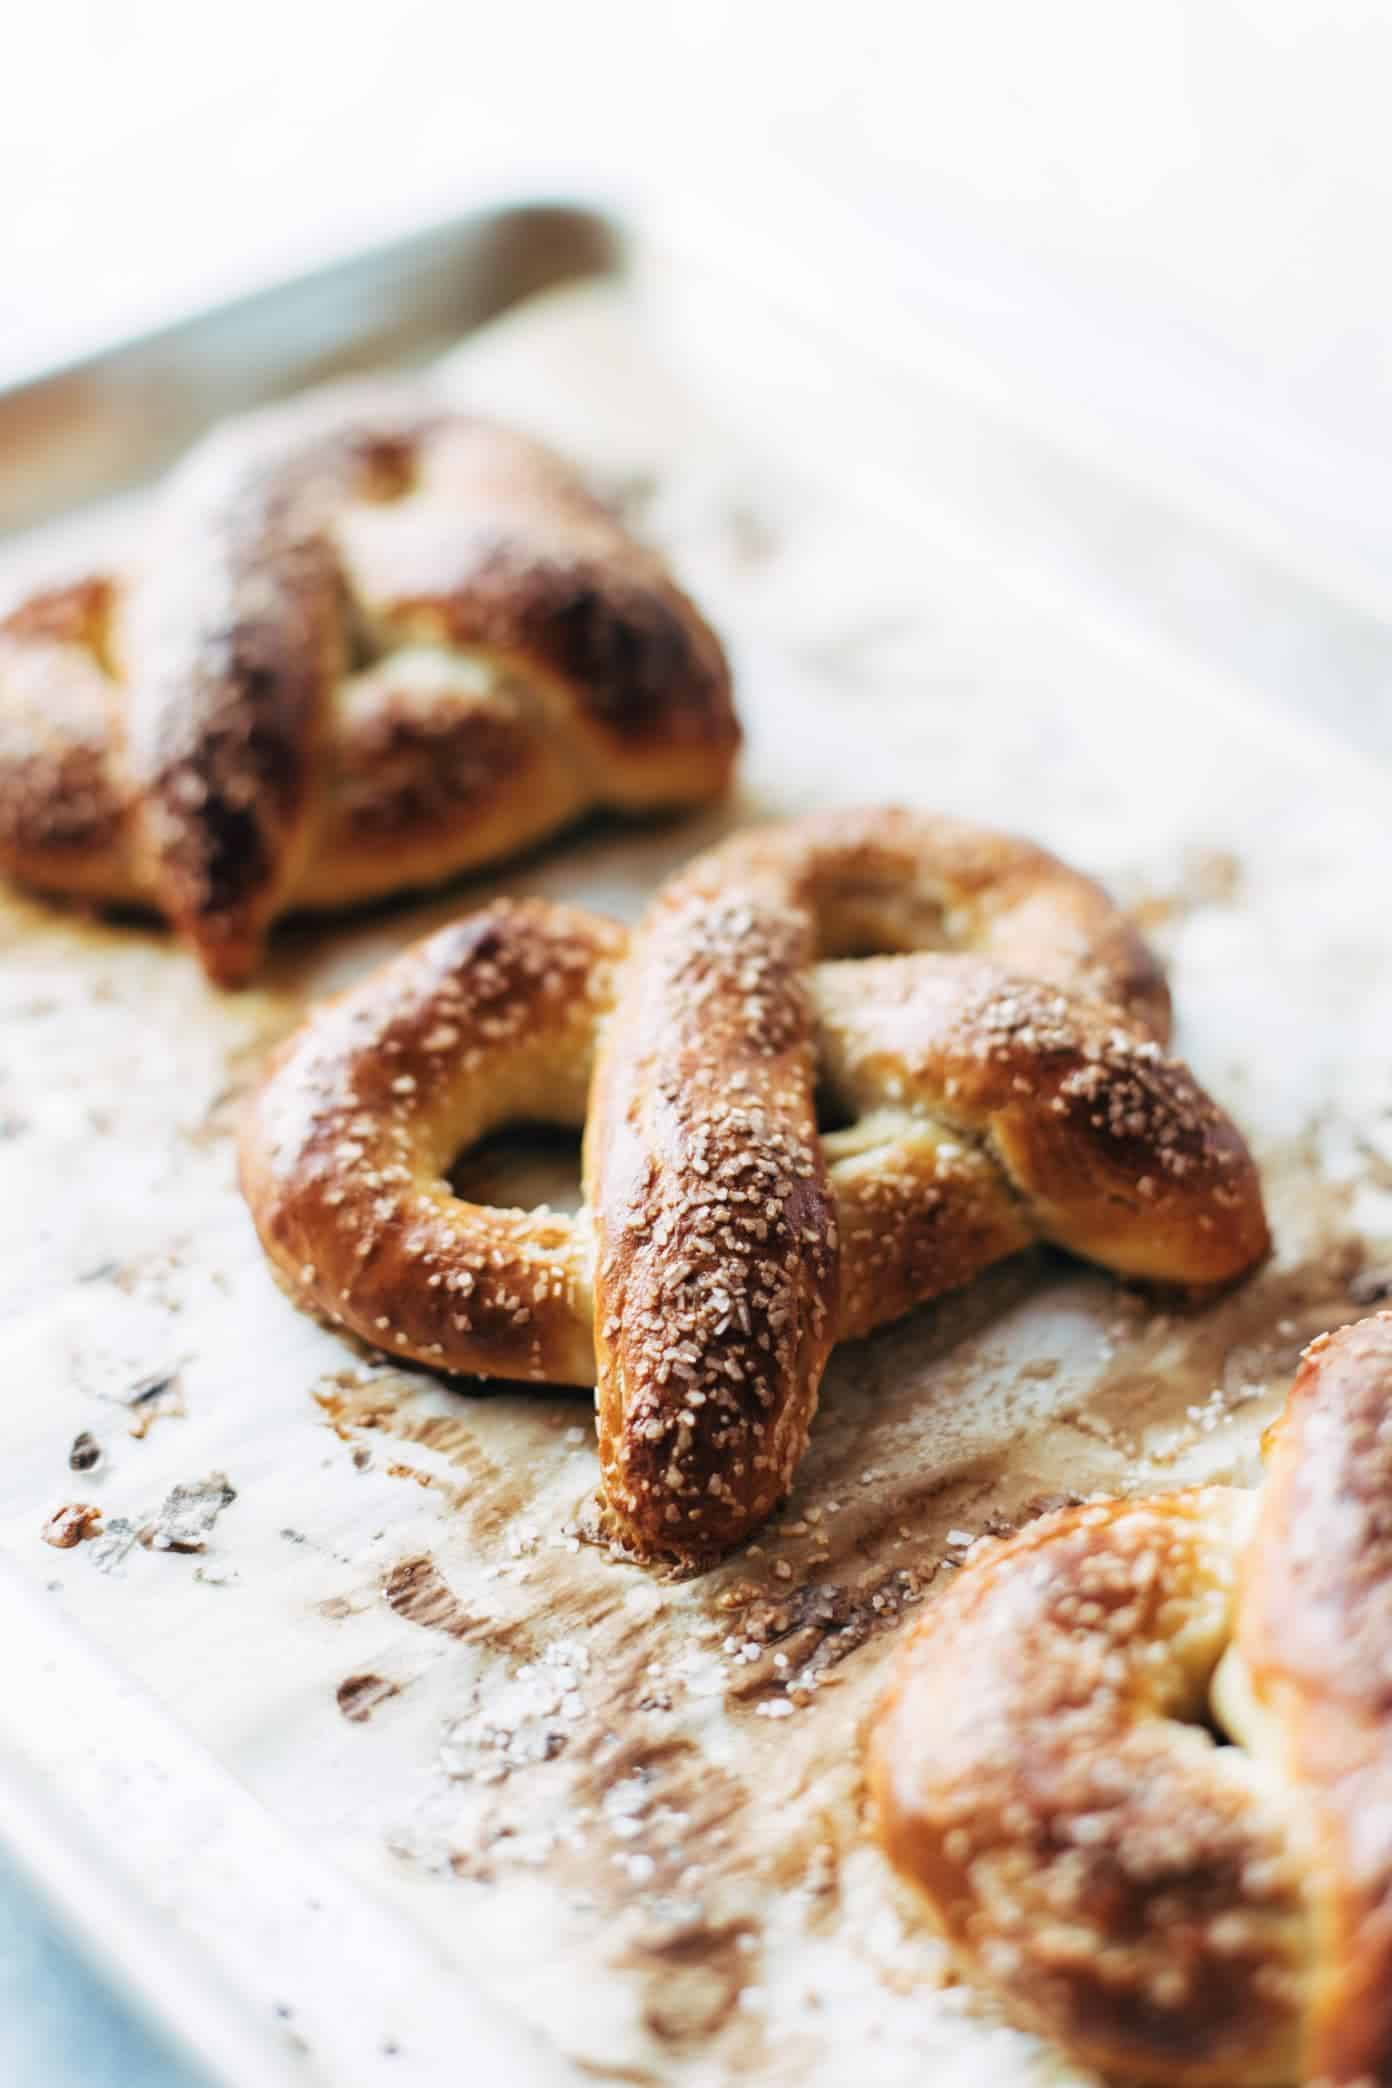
370 643
1045 1769
998 1077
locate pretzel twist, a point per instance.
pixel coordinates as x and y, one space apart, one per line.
1044 1774
725 1245
373 643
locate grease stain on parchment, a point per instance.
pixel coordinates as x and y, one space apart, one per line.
358 1696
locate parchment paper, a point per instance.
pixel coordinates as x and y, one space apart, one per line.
628 1805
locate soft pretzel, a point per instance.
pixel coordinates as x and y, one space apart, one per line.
1044 1772
372 643
725 1245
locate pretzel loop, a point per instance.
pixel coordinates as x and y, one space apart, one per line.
726 1242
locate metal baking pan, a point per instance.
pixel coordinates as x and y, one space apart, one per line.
681 1891
101 424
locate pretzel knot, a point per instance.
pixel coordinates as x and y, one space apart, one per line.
1168 1909
371 643
1013 1092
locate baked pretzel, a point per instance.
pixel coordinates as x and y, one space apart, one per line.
372 643
995 1098
1043 1770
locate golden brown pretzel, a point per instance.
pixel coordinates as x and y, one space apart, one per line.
725 1245
372 643
1170 1910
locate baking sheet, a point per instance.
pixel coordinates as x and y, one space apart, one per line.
626 1809
115 417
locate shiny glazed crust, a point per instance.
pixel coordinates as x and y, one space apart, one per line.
725 1244
1044 1774
371 644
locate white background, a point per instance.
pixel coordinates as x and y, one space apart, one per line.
1164 220
1215 170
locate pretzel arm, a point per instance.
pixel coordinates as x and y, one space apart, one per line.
993 1111
231 659
345 1150
66 815
715 1277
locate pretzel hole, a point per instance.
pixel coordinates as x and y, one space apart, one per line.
520 1166
360 644
865 922
1201 1706
833 1111
387 467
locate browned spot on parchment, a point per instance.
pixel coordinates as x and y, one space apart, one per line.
418 1591
355 1403
338 1606
637 1821
694 1976
1176 1377
418 1410
1208 877
1244 1351
358 1696
71 1525
613 1779
675 1856
820 1625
